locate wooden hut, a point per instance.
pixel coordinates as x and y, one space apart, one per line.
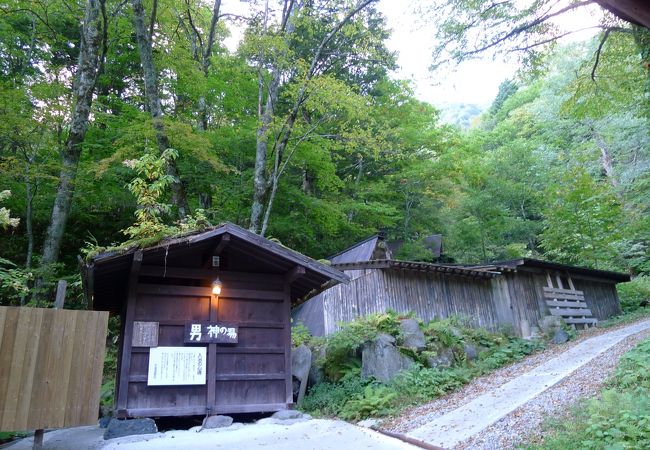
512 295
205 321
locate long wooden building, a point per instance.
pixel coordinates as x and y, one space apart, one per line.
205 321
512 295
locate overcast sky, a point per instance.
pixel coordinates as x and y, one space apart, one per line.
473 82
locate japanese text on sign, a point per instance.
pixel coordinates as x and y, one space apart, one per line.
211 333
176 366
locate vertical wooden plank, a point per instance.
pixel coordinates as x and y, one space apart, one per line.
60 294
123 380
31 361
93 367
6 356
211 399
21 344
69 319
286 313
77 377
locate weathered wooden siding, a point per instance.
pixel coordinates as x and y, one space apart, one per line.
429 295
51 364
528 305
601 297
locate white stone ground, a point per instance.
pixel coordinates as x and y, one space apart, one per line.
308 435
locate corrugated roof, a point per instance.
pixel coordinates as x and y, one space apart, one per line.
531 262
417 266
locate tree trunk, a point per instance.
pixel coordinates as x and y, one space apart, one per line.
179 198
205 63
83 88
606 160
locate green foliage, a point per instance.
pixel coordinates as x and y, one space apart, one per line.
6 221
342 346
633 293
300 335
14 282
375 401
148 188
349 396
328 399
633 371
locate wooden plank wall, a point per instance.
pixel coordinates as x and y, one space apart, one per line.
428 295
602 298
527 299
51 364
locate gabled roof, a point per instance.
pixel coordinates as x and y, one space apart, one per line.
361 251
513 264
107 273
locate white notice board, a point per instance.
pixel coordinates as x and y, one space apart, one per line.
170 366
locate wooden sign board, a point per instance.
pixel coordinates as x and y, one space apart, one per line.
211 333
169 366
145 334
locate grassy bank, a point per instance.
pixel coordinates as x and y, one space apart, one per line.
618 419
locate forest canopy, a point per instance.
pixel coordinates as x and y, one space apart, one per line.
130 120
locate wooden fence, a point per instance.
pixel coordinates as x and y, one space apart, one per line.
51 364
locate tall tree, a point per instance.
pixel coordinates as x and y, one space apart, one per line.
265 186
144 40
83 89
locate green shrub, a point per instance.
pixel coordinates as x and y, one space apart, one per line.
633 372
373 401
421 383
328 399
633 293
300 335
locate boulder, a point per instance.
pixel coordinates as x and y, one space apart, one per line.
471 351
287 414
316 372
381 360
369 423
412 335
120 428
560 337
442 360
300 366
550 324
216 422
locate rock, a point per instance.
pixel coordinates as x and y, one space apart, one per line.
104 421
412 335
471 352
300 366
550 324
120 428
369 423
443 359
560 337
382 360
316 372
216 422
287 414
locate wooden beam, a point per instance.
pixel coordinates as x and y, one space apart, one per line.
294 274
215 250
125 360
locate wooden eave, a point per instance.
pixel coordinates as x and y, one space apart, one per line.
107 273
605 275
417 266
634 11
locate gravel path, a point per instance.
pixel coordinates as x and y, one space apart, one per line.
586 381
523 424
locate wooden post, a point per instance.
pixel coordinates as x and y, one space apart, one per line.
60 294
38 439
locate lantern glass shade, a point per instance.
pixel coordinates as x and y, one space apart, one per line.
216 286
